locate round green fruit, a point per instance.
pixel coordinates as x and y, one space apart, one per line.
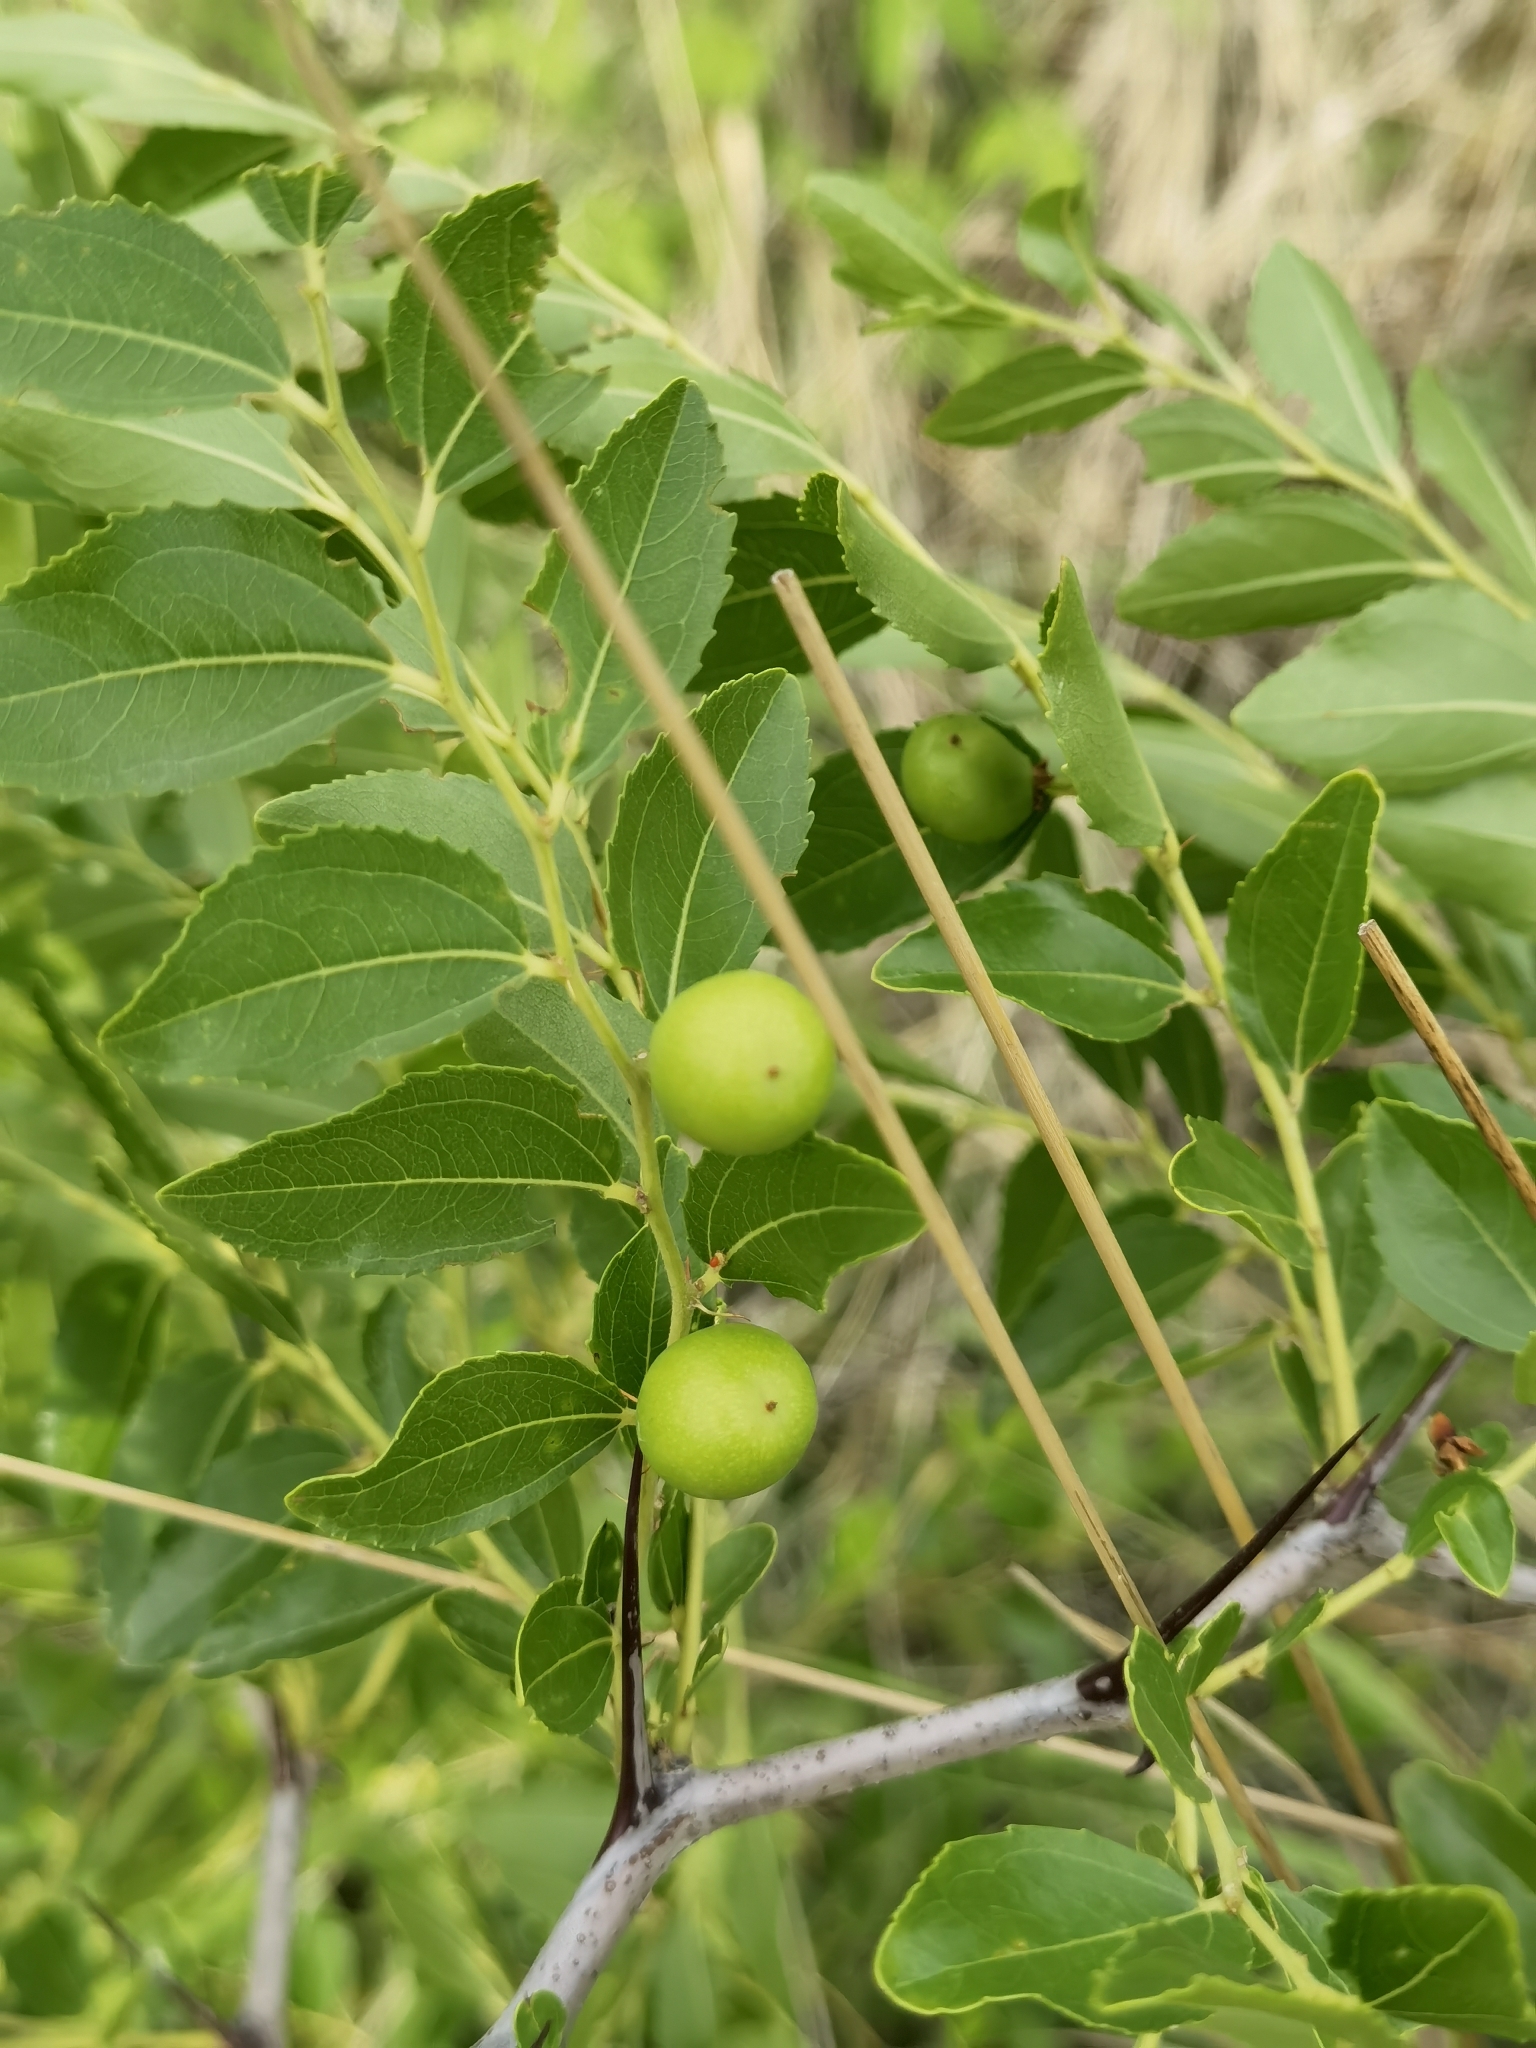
965 779
742 1063
726 1411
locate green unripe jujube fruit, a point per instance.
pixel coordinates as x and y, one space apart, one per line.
964 778
726 1411
741 1062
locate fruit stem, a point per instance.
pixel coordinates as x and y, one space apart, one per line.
691 1634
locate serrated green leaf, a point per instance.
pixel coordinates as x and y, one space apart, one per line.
1074 1312
113 310
1110 778
481 1441
1044 391
461 810
647 496
852 884
1426 688
888 256
759 435
791 1219
1221 452
751 631
231 456
564 1659
342 944
535 1024
1470 1515
680 911
1463 1832
1031 1912
1221 1175
1436 1956
494 251
1287 560
1160 1712
1309 346
1452 1233
115 677
482 1629
1227 800
309 1604
201 1571
1293 951
951 618
1475 844
115 73
632 1312
449 1167
733 1566
1085 959
309 205
1451 448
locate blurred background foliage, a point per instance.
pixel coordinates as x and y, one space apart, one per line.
1392 140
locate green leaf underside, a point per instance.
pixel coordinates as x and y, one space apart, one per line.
338 945
1219 451
680 910
1293 951
1286 561
1451 448
1160 1712
852 884
1436 1955
1309 345
1464 1832
231 455
1452 1233
791 1219
125 311
308 205
449 1167
113 679
1084 959
647 496
1027 1913
461 810
759 435
1428 687
1475 844
494 251
1074 1312
1043 391
751 631
481 1441
906 586
308 1605
116 73
888 256
1221 1175
564 1659
1110 778
535 1024
631 1314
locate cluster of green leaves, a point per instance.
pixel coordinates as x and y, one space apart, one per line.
367 1017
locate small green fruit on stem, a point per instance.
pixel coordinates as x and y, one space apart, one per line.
966 779
742 1062
726 1411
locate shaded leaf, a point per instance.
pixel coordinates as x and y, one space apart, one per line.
482 1629
1234 805
790 1220
733 1566
1223 1176
1039 1219
952 619
114 679
680 911
1286 561
564 1659
481 1441
666 1567
1452 449
535 1024
1092 961
394 1373
308 1605
1043 391
1452 1233
177 168
109 1332
342 944
1309 345
1475 844
1185 1054
1463 1832
1293 952
449 1167
1221 452
852 884
1110 778
632 1313
603 1568
1341 1194
1074 1312
1436 1955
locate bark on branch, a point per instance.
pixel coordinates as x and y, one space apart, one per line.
263 2017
